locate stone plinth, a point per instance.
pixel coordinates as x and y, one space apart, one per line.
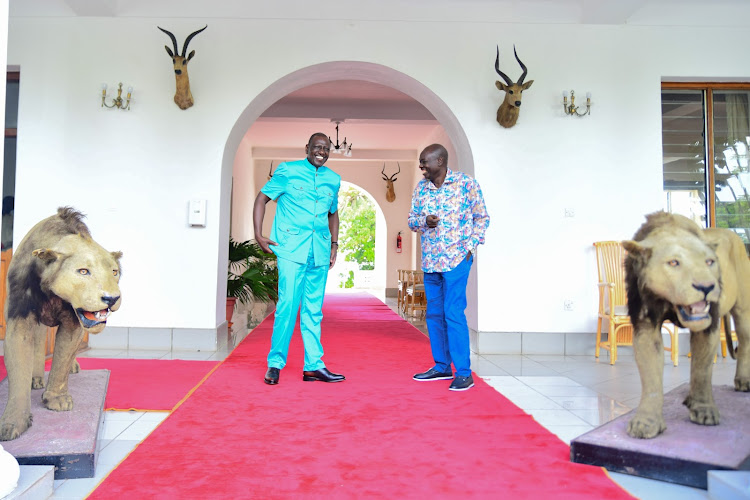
685 452
65 439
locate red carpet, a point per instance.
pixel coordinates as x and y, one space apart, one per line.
379 434
144 384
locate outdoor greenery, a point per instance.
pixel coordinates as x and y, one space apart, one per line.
733 211
349 282
252 273
357 228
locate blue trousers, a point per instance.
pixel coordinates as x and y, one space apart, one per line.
301 288
446 321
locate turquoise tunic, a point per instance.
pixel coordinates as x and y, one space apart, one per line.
304 198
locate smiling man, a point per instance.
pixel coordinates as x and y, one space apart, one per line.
447 209
304 238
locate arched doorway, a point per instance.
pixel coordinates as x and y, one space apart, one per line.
372 281
345 70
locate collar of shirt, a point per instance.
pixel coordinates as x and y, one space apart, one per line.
450 178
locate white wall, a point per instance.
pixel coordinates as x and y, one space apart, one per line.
3 61
134 172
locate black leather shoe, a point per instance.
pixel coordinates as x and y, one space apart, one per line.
432 374
272 376
322 375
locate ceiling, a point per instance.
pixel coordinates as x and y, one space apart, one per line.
684 12
372 116
375 117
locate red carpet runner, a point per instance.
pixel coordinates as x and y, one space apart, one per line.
143 384
379 434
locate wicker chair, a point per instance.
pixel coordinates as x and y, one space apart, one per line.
415 300
613 303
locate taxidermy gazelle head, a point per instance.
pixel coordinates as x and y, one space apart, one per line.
390 194
507 113
182 96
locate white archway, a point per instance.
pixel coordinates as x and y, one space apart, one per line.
328 72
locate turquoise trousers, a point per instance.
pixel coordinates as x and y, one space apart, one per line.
301 288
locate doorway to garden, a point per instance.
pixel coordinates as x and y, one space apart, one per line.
361 262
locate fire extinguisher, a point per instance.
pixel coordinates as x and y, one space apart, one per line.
398 242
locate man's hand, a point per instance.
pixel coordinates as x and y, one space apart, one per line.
264 243
432 220
334 252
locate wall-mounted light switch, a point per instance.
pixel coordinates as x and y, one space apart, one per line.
197 213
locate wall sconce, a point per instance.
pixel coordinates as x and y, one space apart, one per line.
571 109
117 102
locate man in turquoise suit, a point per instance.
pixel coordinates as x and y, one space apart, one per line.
303 237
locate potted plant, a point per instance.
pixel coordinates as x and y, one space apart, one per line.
252 275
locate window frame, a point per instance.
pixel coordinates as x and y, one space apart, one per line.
708 89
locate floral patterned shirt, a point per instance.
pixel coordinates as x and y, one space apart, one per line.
459 204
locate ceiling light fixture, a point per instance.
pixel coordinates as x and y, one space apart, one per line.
343 148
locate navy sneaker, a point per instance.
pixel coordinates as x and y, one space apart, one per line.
432 374
461 383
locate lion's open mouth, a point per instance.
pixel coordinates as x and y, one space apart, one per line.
90 319
695 312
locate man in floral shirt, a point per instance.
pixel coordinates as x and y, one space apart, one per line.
448 211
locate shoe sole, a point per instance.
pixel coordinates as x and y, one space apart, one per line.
433 378
460 388
270 382
315 379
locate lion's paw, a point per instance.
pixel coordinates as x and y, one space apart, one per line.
742 385
63 402
75 367
704 414
37 382
12 430
646 426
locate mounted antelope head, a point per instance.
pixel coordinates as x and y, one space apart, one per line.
390 194
507 113
182 96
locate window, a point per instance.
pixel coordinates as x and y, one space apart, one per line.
705 142
9 169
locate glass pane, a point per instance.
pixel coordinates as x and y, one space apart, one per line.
11 104
9 186
684 153
731 141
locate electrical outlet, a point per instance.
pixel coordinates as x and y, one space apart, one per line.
568 305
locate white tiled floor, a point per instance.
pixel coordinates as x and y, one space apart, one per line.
568 395
571 395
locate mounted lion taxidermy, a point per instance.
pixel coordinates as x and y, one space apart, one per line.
677 271
182 96
58 276
507 113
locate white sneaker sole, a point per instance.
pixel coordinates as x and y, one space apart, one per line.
460 388
431 379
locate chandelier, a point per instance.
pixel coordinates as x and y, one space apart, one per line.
343 148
